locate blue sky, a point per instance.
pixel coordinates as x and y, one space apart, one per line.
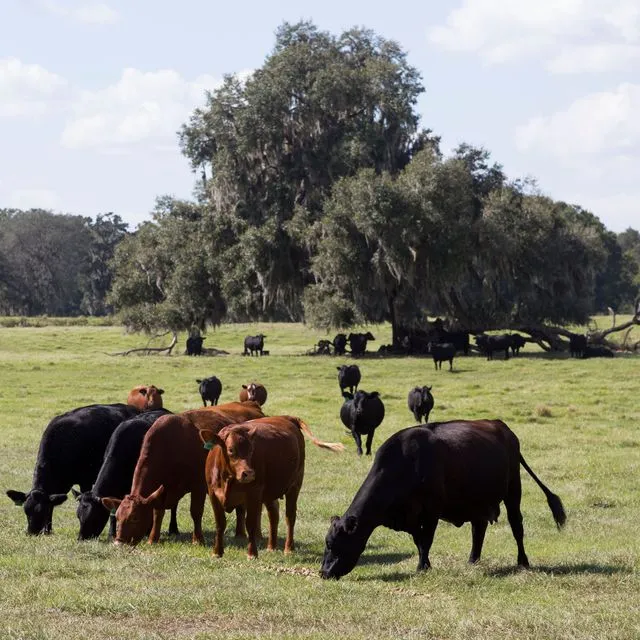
92 93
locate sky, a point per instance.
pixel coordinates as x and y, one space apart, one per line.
92 93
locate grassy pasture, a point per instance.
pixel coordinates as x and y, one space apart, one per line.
578 424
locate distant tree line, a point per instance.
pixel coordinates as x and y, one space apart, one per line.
320 198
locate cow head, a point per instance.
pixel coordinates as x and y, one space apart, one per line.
369 336
91 513
145 398
134 515
344 545
233 448
361 398
38 506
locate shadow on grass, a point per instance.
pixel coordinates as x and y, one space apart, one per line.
383 558
563 570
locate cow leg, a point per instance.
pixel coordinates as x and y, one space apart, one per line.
478 529
358 439
204 402
417 416
273 510
221 525
254 507
291 508
158 515
451 364
173 522
512 503
196 509
369 441
423 539
241 526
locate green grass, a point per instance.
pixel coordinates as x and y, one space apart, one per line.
578 426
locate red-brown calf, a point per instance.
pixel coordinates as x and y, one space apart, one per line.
257 463
145 398
253 391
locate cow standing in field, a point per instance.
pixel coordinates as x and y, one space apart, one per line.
444 352
420 401
577 345
145 398
340 344
517 343
115 476
489 344
210 389
255 392
358 342
362 414
348 377
456 471
194 345
254 345
257 463
70 452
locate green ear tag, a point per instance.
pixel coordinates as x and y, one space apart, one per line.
112 512
208 445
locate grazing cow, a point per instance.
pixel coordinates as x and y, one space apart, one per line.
115 476
420 403
489 344
170 465
362 414
145 398
577 345
253 391
597 351
340 344
517 343
348 376
444 352
358 342
71 451
210 389
257 463
254 344
194 345
456 471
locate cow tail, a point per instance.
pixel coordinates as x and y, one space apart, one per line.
554 502
332 446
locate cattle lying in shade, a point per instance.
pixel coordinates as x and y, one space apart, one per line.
253 392
597 351
115 476
70 452
362 414
348 377
358 342
254 345
257 463
458 471
210 389
420 401
145 398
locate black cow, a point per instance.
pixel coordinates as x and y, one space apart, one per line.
597 351
340 344
489 344
440 353
210 389
362 414
358 342
115 476
459 339
420 403
254 345
194 345
517 343
456 471
348 377
71 452
577 345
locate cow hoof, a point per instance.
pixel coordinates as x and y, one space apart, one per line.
250 557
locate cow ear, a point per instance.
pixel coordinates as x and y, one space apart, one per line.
160 391
429 388
142 391
18 497
198 381
75 494
374 394
350 524
111 504
57 498
154 497
244 386
334 519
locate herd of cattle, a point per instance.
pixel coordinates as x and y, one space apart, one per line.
134 461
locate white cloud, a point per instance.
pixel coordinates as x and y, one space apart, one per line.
599 123
33 199
558 31
27 89
141 106
87 13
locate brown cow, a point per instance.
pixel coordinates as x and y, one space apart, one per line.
257 463
253 391
145 398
